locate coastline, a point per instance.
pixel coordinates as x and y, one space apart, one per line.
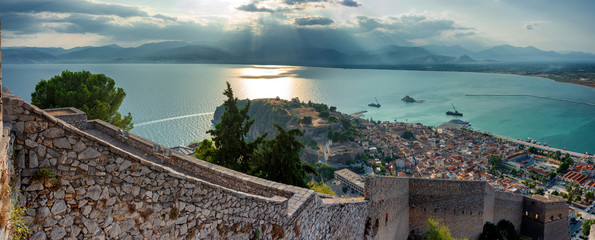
544 148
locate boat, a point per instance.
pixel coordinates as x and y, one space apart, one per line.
455 113
377 104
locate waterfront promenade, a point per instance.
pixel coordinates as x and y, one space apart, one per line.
544 148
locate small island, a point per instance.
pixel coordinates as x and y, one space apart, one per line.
410 99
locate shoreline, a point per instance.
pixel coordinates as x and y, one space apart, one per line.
544 148
528 70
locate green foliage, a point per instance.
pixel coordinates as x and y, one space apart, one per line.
408 135
505 230
567 162
552 175
17 225
338 136
555 193
43 174
205 150
321 187
325 171
333 109
589 195
534 150
587 226
255 234
521 147
540 191
94 94
436 230
229 136
307 120
309 142
278 159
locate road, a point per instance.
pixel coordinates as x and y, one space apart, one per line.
545 148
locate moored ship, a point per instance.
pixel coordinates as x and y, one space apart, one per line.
377 104
455 113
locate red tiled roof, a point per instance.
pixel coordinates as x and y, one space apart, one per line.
577 177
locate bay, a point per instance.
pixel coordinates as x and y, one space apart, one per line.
172 104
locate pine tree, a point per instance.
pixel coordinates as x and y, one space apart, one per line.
94 94
278 159
229 135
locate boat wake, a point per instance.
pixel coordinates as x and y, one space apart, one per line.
173 118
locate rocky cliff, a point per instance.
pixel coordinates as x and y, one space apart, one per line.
265 112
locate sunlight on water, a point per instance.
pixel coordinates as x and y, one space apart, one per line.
268 81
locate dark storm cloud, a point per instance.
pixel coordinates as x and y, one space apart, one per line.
349 3
69 6
312 21
21 23
408 27
251 7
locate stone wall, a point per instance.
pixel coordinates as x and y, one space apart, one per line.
460 205
70 115
545 218
104 187
329 218
388 216
508 206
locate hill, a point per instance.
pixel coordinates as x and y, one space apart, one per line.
291 114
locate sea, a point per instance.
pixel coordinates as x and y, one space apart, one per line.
173 104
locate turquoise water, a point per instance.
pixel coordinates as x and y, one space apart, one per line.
173 103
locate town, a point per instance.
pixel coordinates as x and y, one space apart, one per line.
455 151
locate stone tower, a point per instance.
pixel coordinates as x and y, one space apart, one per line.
545 218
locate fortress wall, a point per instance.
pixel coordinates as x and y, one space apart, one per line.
460 205
329 218
545 217
207 171
388 216
102 191
508 206
488 204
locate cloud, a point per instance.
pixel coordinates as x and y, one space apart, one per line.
349 3
251 7
312 21
368 24
533 25
407 26
69 6
464 34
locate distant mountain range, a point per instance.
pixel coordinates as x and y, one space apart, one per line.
182 52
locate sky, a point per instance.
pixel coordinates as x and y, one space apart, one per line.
346 24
